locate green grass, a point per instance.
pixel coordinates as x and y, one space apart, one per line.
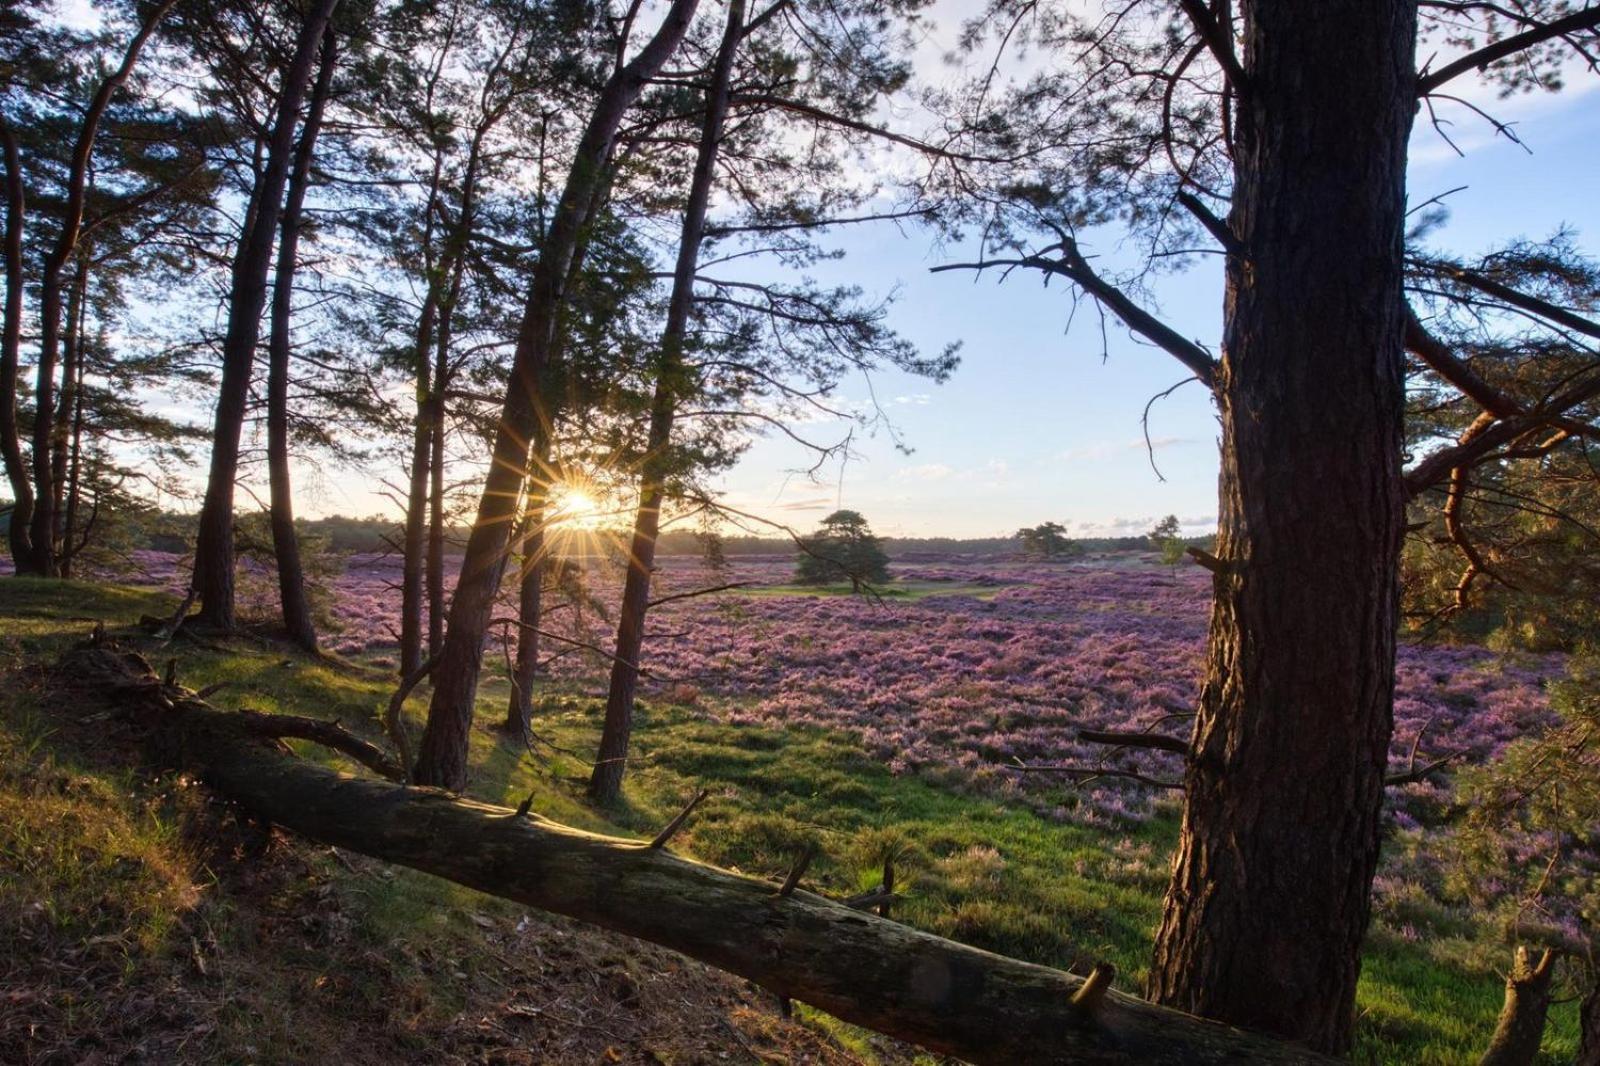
972 867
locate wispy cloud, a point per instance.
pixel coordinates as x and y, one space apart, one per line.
1102 450
925 472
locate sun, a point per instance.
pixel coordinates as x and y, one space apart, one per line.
573 506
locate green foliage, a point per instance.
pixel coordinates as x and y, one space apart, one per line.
1167 538
1048 541
1529 857
1166 530
843 549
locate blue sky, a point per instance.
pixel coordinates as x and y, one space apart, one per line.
1034 426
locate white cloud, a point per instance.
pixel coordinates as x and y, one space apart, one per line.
925 472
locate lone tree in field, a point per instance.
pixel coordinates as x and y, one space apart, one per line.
1274 134
1047 540
843 549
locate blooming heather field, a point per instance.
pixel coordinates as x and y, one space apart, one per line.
966 668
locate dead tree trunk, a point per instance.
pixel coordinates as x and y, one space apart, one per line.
945 996
1269 896
19 534
605 783
247 299
442 756
1521 1027
292 598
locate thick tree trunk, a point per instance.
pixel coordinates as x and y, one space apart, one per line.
442 755
948 997
1269 896
19 534
247 299
605 783
296 605
530 611
1521 1027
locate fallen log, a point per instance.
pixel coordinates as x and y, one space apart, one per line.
867 970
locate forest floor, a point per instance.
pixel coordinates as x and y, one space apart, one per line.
140 922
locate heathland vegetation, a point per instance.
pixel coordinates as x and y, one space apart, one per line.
540 273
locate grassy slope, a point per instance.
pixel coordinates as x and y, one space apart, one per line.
997 877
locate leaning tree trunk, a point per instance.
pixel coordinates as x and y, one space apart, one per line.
292 596
605 783
1269 895
1521 1026
950 998
442 755
19 534
247 298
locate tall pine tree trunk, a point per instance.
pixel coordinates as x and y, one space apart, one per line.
605 783
66 409
442 755
530 612
436 415
414 544
19 532
70 540
247 299
1268 901
292 597
46 494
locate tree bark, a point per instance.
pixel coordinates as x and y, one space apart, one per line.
414 546
19 533
247 298
442 755
945 996
435 571
1269 896
292 598
1589 1028
530 610
67 408
1521 1026
43 523
605 782
71 543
